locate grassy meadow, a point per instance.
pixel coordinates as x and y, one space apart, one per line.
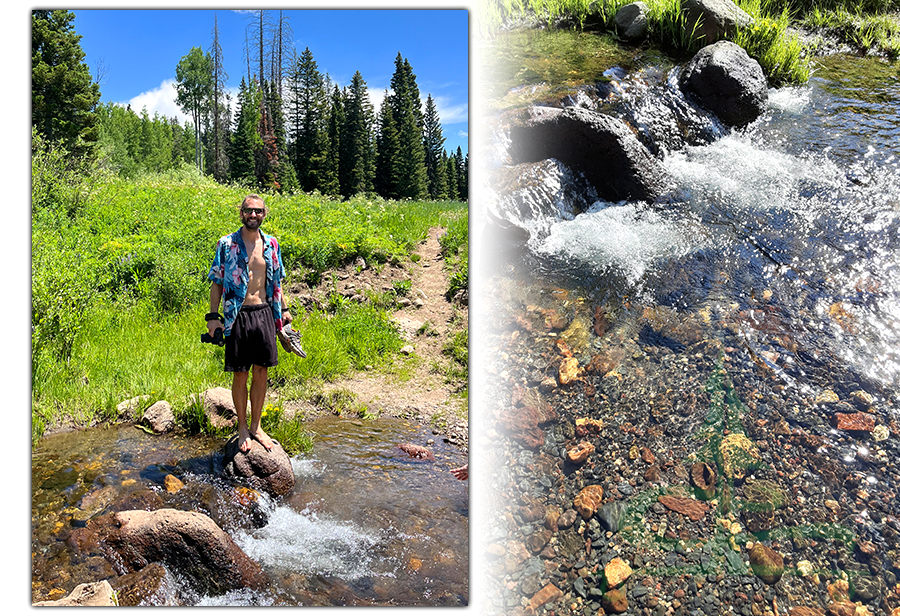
119 286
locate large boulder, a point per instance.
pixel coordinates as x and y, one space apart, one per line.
717 18
265 470
184 541
603 148
724 80
631 22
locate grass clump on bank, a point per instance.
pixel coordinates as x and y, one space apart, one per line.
119 285
870 25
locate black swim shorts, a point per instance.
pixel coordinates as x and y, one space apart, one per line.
252 340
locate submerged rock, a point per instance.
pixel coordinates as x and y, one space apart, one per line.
766 563
723 79
588 501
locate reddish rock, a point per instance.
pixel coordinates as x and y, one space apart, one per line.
586 425
615 601
184 541
538 540
854 422
524 420
416 451
652 474
568 370
805 611
647 456
600 322
841 608
588 501
703 476
580 452
693 509
547 594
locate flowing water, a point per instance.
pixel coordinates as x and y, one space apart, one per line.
364 525
790 227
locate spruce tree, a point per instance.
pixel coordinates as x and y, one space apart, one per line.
387 159
245 140
307 116
434 146
357 140
63 97
329 182
406 108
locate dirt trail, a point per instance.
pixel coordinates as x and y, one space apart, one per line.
421 392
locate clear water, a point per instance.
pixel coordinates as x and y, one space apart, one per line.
797 217
364 525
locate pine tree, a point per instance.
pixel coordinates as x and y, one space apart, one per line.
406 108
434 146
245 141
307 115
452 179
357 164
329 182
63 97
387 159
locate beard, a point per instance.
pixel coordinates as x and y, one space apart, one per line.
252 223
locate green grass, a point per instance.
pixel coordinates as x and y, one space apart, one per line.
869 25
119 285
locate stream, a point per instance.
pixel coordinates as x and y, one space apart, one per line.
364 525
759 301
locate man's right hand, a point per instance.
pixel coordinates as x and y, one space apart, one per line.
213 325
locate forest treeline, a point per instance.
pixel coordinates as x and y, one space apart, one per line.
290 128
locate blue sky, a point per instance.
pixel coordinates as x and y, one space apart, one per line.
138 51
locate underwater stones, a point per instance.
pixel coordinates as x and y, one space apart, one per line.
172 484
567 519
616 572
766 563
580 452
703 476
880 433
631 22
862 400
523 421
726 81
615 600
586 425
693 509
717 18
603 148
738 455
416 451
266 470
568 370
547 594
854 422
610 515
588 501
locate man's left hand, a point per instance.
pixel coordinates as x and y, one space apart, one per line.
286 317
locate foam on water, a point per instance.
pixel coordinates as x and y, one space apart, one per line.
307 543
625 238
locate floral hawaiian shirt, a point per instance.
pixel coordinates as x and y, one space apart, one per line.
229 269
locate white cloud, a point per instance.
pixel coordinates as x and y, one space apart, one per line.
160 100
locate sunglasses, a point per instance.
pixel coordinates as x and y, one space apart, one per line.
253 210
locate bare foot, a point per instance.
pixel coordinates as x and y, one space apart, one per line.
244 440
263 439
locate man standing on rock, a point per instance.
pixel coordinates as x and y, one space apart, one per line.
246 277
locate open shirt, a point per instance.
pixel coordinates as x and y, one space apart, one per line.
229 269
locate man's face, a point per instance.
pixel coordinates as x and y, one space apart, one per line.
252 214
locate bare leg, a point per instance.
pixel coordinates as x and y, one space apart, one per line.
257 400
239 395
